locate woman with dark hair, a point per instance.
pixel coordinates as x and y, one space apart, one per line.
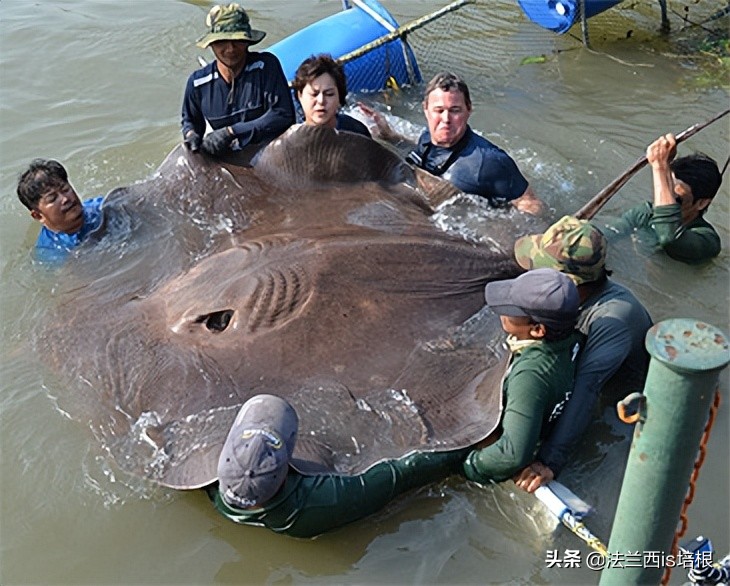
321 89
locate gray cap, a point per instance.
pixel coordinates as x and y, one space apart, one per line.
545 295
255 458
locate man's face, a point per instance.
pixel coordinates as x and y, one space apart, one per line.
59 209
320 101
446 115
232 54
691 207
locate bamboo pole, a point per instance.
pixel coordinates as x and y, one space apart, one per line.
590 209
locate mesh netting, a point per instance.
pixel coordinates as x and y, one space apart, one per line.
374 69
695 27
492 37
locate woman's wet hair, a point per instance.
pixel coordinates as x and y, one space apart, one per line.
40 176
312 67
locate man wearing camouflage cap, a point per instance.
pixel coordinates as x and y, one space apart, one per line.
612 319
243 96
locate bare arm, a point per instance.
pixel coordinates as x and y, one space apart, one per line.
382 129
659 154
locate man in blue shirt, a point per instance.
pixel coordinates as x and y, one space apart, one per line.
244 97
452 150
44 189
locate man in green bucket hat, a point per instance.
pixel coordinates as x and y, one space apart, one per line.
613 321
242 96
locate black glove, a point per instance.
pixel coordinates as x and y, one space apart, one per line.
217 142
192 141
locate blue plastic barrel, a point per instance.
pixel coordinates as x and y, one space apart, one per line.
343 33
560 15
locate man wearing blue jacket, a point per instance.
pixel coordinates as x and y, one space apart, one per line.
243 96
45 190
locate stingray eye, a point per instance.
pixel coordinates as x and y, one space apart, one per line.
216 321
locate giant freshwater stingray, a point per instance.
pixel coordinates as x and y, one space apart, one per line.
317 275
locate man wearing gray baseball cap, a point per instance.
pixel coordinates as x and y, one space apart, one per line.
255 458
258 486
538 310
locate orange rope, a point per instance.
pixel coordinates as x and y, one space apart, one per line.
693 479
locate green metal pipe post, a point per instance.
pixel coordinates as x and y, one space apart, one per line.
686 359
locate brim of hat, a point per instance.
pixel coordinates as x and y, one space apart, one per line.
524 248
509 311
253 38
498 295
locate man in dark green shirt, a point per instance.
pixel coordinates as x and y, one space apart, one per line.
258 486
683 190
538 310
